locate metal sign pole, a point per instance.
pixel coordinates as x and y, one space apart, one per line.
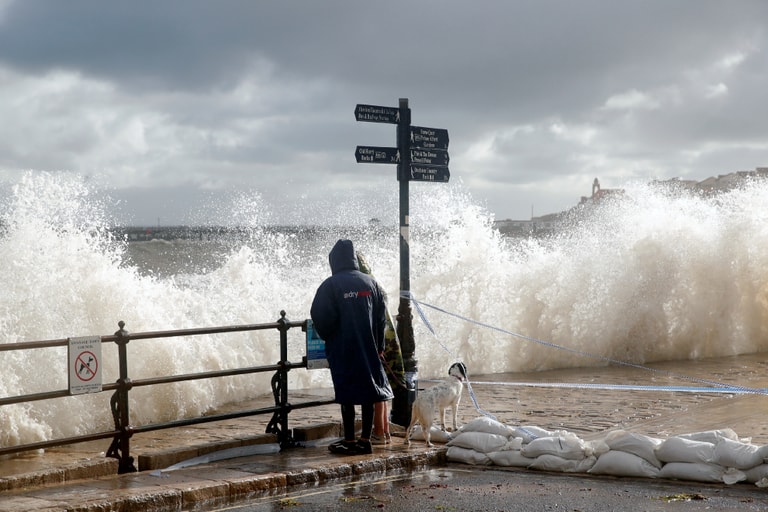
401 412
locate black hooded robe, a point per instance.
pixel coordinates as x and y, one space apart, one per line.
348 312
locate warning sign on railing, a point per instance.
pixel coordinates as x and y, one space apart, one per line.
84 365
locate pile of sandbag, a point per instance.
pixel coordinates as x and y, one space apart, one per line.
712 456
486 441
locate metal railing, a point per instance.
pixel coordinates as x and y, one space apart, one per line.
123 430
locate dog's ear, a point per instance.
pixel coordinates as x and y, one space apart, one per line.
463 369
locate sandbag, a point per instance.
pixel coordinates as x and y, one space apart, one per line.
548 462
733 476
529 433
487 425
567 446
694 471
480 441
620 463
596 447
636 444
436 434
458 454
712 436
757 473
511 458
679 449
735 454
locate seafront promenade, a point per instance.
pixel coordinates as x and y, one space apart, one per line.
80 478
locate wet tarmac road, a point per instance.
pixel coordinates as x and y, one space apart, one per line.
461 488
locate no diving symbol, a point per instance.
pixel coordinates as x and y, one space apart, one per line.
86 366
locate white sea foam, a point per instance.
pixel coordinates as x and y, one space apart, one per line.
649 278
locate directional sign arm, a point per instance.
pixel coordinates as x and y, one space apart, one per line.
377 114
377 155
429 138
429 156
430 173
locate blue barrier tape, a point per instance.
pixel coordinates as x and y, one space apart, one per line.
423 317
727 388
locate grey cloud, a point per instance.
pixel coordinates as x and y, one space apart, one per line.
262 93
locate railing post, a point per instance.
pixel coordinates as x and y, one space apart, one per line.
120 448
279 422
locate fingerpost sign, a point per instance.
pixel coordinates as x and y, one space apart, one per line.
421 155
417 146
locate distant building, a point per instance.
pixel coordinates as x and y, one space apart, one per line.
725 182
600 194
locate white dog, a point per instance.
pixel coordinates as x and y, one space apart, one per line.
438 398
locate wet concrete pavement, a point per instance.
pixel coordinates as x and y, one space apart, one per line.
80 478
212 485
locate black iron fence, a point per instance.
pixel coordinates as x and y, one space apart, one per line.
119 404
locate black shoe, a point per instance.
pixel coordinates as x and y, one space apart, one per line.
363 447
343 448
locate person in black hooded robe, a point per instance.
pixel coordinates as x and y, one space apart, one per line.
348 312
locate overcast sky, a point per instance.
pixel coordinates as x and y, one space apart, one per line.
172 103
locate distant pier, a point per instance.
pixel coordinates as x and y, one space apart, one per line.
148 233
145 234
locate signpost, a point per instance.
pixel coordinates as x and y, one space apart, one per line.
377 155
421 155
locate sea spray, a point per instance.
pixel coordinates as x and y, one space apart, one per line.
651 276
